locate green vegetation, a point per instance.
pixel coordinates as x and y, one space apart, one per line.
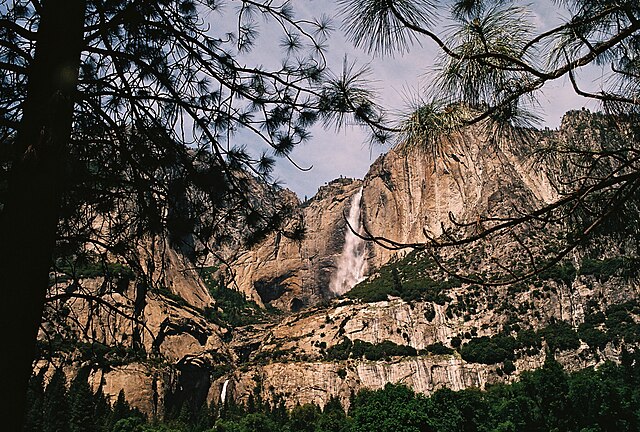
617 324
508 367
413 278
563 272
503 347
77 408
489 350
604 269
275 355
621 324
548 399
560 336
340 351
232 309
383 350
358 349
439 349
91 266
529 341
430 312
409 278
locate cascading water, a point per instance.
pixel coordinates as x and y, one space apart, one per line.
223 393
352 262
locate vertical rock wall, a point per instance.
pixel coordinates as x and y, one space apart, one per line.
406 192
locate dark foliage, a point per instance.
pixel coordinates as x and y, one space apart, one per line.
548 399
489 350
411 278
359 349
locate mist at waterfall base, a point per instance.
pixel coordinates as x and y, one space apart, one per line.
352 262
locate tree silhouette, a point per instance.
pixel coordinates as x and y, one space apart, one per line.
35 400
129 125
55 412
82 404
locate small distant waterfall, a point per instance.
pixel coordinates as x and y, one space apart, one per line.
352 262
223 393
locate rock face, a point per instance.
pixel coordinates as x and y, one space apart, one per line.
316 382
292 359
407 193
410 191
121 343
289 274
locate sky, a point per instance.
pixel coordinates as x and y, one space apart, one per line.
332 154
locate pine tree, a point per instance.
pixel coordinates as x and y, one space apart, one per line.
102 411
121 409
279 411
35 404
127 111
55 405
333 417
82 406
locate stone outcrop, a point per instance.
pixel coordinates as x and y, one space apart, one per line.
407 192
291 359
410 191
122 335
293 274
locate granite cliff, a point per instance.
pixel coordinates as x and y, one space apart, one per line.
288 335
406 192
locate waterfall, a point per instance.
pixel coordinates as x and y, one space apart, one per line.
352 261
223 393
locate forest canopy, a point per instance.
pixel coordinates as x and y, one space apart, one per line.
548 399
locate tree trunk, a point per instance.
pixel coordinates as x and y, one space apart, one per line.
29 219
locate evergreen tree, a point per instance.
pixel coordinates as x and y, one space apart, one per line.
251 404
35 404
544 400
204 418
333 417
102 411
548 389
258 422
82 404
55 405
129 424
304 417
396 408
279 411
122 410
127 111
